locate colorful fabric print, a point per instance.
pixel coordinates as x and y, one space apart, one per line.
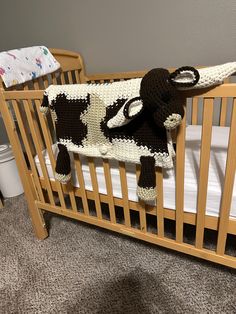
21 65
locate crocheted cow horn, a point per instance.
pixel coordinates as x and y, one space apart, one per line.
207 76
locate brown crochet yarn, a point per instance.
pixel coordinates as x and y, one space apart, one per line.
160 96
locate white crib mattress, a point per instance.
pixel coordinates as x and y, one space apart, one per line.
192 160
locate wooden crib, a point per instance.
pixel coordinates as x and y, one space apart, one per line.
30 133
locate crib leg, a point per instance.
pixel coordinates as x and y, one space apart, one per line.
38 222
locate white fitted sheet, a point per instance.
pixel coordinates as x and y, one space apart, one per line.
218 155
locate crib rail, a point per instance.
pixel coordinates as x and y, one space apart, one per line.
31 132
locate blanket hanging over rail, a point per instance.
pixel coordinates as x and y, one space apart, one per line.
128 121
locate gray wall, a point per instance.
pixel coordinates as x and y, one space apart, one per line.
125 35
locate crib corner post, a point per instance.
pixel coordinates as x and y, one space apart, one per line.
38 223
35 212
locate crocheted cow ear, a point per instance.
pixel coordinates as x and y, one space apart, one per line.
131 109
184 77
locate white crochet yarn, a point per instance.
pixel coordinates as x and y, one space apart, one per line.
147 194
63 178
108 93
208 76
173 121
116 150
119 119
44 110
95 144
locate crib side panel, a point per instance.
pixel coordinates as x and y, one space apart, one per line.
143 221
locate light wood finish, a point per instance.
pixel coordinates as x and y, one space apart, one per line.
179 182
226 90
70 79
151 238
32 124
79 172
159 206
204 169
38 147
94 180
24 135
119 76
124 189
228 185
35 213
48 140
107 173
54 80
223 109
1 203
141 205
62 76
114 76
211 222
194 110
68 60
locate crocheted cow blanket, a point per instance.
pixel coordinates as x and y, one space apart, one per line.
128 121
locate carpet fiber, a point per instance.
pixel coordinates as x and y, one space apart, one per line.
83 269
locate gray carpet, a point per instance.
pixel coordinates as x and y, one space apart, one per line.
82 269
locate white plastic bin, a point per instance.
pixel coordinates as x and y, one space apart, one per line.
10 183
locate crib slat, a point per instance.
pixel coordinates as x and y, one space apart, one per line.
36 126
94 180
223 111
228 185
160 209
70 191
77 78
80 176
36 84
62 76
194 110
28 111
48 141
141 205
107 173
54 80
70 79
28 149
45 81
30 194
208 107
25 86
179 183
124 190
27 131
